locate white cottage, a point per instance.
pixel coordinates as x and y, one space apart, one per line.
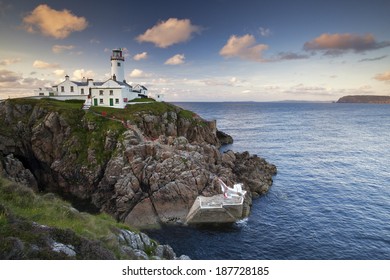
115 92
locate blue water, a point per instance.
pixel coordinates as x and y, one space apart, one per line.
331 196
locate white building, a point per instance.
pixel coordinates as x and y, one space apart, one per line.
115 92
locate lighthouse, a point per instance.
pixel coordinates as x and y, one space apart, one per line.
117 65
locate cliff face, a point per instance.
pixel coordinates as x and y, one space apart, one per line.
375 99
143 165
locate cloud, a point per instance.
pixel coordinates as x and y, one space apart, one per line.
59 72
288 56
226 82
13 84
44 65
175 60
244 47
94 41
170 32
336 44
265 32
373 59
384 77
61 48
140 56
79 74
53 23
9 61
137 73
7 76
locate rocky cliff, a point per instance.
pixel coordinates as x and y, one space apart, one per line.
375 99
144 165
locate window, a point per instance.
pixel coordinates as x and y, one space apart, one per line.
82 91
118 64
111 92
116 101
71 89
62 89
101 100
41 93
101 92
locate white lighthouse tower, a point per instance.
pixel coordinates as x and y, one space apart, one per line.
117 65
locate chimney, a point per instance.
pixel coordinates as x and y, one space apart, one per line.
90 82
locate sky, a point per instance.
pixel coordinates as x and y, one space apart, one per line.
213 50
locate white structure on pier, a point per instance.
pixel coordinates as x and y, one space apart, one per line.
227 207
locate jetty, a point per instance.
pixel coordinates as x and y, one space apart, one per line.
227 207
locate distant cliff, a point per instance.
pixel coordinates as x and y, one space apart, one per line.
143 165
375 99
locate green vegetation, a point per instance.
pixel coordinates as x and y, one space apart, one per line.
50 103
49 210
52 211
95 139
185 114
142 100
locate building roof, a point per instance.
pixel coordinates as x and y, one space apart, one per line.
140 86
97 84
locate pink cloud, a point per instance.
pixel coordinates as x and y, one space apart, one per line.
244 47
170 32
53 23
334 44
385 77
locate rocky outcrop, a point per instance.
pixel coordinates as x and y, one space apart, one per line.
376 99
13 169
143 166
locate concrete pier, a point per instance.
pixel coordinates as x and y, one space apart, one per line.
216 209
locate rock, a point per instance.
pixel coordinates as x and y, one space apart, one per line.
147 174
183 258
142 215
224 138
133 240
62 248
134 254
13 169
165 252
12 249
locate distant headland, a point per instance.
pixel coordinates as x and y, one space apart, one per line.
374 99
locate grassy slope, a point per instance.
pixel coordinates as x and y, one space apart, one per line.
54 212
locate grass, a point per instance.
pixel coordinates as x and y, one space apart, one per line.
50 103
95 139
52 211
142 100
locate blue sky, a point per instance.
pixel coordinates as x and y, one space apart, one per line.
215 50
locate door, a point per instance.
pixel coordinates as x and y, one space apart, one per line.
111 102
95 102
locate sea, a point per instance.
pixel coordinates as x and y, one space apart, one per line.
330 198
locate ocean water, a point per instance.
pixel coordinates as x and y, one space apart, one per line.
331 196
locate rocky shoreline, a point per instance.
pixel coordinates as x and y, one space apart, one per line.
145 170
